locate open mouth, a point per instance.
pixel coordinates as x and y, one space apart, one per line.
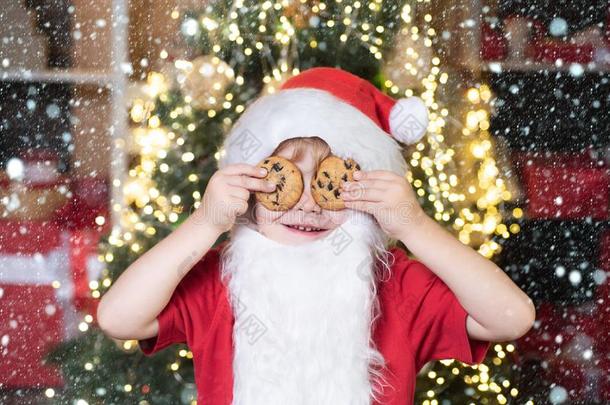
305 229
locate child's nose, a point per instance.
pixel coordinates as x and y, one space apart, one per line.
307 202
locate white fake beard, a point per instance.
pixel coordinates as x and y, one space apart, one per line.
303 316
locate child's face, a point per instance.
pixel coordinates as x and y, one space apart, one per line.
282 226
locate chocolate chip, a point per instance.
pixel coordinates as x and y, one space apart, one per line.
320 184
336 193
344 177
347 164
326 174
276 167
357 166
330 186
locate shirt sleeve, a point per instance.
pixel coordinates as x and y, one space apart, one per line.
192 303
171 325
437 321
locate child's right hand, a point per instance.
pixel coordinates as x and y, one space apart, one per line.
226 196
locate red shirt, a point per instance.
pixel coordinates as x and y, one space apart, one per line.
421 320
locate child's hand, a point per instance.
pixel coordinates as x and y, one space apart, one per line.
385 195
226 196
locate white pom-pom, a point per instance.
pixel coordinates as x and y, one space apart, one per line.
409 120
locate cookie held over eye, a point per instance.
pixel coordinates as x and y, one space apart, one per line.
326 184
288 184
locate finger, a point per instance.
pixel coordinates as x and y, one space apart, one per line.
374 174
361 194
251 183
366 184
238 193
238 207
244 169
365 206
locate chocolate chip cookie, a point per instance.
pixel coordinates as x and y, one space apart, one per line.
326 184
288 184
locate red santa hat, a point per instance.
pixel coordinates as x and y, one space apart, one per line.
349 113
405 119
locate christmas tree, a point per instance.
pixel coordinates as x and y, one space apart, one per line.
238 51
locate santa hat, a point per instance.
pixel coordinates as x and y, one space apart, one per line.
349 113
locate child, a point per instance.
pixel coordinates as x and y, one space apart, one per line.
309 305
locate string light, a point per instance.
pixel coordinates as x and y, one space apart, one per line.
442 190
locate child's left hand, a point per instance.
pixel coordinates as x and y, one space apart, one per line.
387 196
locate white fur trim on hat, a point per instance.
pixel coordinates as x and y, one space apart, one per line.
306 112
409 120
